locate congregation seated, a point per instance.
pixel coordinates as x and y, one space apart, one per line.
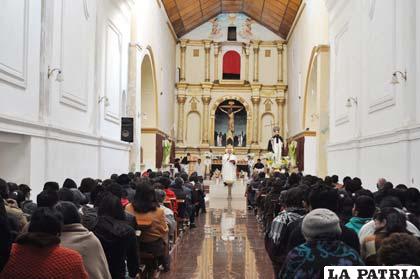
5 236
365 222
321 229
169 214
150 219
99 222
38 253
76 237
94 224
117 237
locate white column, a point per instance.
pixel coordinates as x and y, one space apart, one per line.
206 102
246 52
280 62
256 48
180 134
256 117
183 46
207 45
216 61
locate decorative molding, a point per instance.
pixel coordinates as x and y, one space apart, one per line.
7 73
389 137
53 132
302 135
296 20
109 115
387 100
193 104
172 31
382 103
268 103
66 97
86 9
154 131
339 35
372 6
334 7
314 54
342 119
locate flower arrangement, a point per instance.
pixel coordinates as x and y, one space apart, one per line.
269 157
292 152
167 145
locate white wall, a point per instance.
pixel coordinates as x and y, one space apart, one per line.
153 31
311 30
20 35
368 40
378 137
66 133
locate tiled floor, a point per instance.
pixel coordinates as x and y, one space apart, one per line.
226 243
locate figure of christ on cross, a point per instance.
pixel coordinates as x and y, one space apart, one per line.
231 116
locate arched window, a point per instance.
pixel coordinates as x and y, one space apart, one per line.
232 65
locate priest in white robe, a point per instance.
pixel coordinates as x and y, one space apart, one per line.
229 166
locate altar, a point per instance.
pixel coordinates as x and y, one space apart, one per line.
215 109
241 165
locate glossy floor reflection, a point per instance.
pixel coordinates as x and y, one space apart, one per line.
227 242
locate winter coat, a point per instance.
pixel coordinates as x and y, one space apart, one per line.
78 238
307 261
39 255
118 240
356 223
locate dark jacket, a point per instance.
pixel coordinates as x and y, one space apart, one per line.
294 231
309 259
179 192
6 241
118 240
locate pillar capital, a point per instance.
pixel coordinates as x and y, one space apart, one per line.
206 100
183 43
216 47
181 99
256 44
206 85
255 100
246 49
256 88
280 46
207 44
281 100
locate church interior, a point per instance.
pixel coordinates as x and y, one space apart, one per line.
234 120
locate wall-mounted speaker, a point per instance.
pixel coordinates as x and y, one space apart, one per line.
127 129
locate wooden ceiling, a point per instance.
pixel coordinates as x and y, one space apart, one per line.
276 15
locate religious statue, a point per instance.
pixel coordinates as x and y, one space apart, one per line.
231 119
229 166
275 145
167 145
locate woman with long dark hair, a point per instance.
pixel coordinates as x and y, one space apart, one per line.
150 219
387 221
117 237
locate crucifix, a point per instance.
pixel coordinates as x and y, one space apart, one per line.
231 115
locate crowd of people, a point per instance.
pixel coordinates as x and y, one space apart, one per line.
98 229
310 223
104 229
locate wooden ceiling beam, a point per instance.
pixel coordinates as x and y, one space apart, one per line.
276 15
